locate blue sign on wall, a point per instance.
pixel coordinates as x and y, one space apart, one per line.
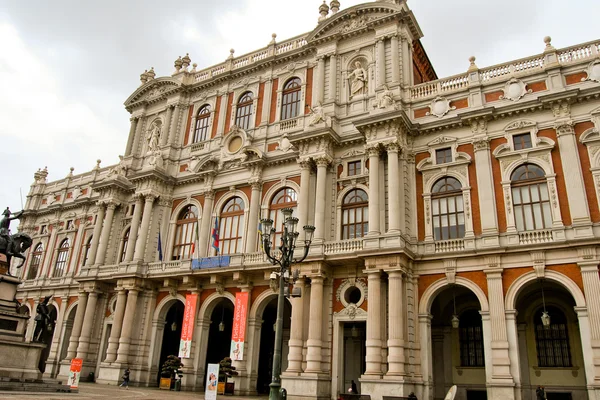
210 262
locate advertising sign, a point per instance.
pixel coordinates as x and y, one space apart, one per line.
212 381
75 372
238 333
187 330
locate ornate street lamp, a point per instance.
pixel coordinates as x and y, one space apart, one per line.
455 320
285 259
545 316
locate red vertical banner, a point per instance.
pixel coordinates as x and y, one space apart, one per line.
75 372
238 334
187 330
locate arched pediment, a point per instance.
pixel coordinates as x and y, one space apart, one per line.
152 90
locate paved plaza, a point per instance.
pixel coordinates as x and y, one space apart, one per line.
96 391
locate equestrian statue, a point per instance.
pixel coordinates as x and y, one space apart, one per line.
12 245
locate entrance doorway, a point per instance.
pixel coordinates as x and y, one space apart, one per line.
171 334
219 334
354 354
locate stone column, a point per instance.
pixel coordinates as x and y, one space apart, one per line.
164 137
106 228
374 203
303 196
395 59
487 200
380 77
115 333
314 342
174 124
96 235
135 226
320 201
130 139
140 244
125 339
407 78
138 134
374 325
296 342
47 264
88 324
395 324
209 197
266 108
77 325
253 217
393 188
78 242
591 287
332 77
319 82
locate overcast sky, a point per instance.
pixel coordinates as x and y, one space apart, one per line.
67 66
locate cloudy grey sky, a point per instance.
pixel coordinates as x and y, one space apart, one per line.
67 66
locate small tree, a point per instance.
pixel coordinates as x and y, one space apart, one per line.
171 364
226 370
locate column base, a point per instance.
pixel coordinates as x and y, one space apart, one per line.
501 392
307 386
110 374
386 386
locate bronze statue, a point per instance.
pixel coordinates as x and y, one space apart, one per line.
43 321
12 245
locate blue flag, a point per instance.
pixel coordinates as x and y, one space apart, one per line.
215 235
159 245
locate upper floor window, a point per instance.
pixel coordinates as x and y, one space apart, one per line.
36 260
290 101
471 339
61 258
443 156
244 111
124 245
354 168
70 224
552 343
530 198
355 214
201 128
522 141
86 251
43 229
447 209
232 226
185 233
285 198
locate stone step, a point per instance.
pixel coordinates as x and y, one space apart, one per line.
31 385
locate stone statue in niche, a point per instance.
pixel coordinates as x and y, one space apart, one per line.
358 80
153 139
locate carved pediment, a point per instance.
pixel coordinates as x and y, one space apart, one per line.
442 140
522 124
151 91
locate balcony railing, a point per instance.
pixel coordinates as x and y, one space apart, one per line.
449 246
535 237
343 246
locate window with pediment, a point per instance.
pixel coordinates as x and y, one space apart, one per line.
355 214
61 258
530 198
36 261
443 156
522 141
243 111
448 213
185 233
290 100
202 124
231 226
284 198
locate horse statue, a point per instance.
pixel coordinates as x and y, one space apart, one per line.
14 247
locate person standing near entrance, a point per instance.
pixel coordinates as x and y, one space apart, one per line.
126 378
353 388
540 393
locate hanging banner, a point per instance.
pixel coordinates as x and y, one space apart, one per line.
187 330
212 381
75 372
238 333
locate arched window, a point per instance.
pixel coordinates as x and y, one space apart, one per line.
124 245
232 226
201 128
36 260
355 214
185 233
471 339
86 251
61 259
447 209
530 198
284 198
290 101
552 343
244 111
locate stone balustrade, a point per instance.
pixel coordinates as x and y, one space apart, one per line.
535 237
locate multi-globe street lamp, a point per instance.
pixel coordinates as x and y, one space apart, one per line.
284 259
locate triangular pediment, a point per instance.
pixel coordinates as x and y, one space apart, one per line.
153 90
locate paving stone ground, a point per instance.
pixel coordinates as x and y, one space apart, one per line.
90 391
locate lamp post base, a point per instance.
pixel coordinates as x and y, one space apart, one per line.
274 392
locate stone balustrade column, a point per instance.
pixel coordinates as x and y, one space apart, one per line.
174 124
253 217
315 321
138 137
135 227
373 342
395 54
500 355
131 137
209 198
164 137
105 236
393 188
395 324
140 244
320 201
303 196
380 49
77 325
374 202
332 77
296 342
88 324
125 339
115 333
96 235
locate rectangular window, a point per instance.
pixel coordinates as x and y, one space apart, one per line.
70 224
43 229
354 168
522 141
443 156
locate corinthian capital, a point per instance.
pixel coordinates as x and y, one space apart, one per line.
323 161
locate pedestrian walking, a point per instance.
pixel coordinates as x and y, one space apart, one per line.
125 378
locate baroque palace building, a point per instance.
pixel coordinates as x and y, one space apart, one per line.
451 216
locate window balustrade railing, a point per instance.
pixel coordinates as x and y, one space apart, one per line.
449 246
343 246
535 237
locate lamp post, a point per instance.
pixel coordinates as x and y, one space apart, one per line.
284 260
